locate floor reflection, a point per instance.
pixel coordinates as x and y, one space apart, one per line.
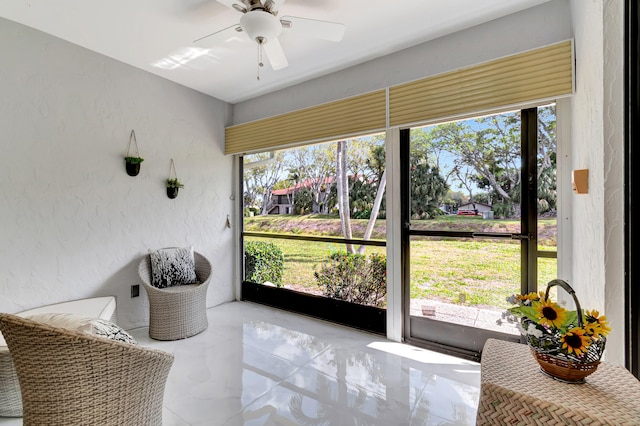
255 365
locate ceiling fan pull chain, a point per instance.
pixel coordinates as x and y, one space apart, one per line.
260 63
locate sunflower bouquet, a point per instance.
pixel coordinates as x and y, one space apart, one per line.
569 338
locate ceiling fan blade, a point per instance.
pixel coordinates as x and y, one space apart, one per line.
219 37
332 31
230 3
276 56
273 5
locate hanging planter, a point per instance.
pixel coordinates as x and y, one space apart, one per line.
132 162
173 184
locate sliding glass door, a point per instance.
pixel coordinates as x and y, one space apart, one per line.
473 193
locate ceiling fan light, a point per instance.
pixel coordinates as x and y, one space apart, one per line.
259 24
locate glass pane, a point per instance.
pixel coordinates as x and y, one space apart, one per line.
317 268
547 271
464 281
547 195
314 180
335 189
470 170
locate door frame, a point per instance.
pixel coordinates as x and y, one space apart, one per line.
446 337
631 157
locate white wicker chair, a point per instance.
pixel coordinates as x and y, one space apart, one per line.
72 378
181 311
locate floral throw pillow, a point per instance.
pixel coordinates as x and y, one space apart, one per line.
88 325
173 266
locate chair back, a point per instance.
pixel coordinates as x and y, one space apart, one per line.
180 311
202 266
72 378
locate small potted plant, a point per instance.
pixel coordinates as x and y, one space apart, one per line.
173 185
132 160
132 164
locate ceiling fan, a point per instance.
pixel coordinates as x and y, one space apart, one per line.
259 21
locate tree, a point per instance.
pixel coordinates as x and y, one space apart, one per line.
303 202
362 184
493 152
343 192
547 187
428 189
260 178
377 162
485 155
294 178
315 165
374 211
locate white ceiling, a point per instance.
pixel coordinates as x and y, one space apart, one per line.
157 35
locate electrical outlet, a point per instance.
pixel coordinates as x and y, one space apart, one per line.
135 290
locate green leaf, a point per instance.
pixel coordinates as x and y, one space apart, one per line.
572 319
530 313
174 183
133 160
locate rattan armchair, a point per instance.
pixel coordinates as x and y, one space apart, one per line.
10 401
181 311
72 378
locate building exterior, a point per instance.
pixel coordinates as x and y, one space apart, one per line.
473 209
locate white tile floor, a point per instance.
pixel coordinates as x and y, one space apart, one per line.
256 365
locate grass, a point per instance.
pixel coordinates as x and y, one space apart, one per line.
479 273
467 272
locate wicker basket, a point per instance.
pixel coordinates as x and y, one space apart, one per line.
561 366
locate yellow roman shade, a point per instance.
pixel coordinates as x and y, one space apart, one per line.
539 74
351 116
536 75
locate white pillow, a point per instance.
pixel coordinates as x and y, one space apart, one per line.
88 325
173 266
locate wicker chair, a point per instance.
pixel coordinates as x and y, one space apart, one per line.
181 311
10 400
72 378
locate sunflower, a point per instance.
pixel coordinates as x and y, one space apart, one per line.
575 341
597 325
528 298
593 329
550 313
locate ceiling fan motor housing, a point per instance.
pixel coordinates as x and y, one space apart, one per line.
261 26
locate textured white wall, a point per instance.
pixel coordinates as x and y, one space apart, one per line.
74 224
587 153
598 141
613 174
529 29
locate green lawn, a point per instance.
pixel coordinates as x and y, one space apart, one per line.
469 272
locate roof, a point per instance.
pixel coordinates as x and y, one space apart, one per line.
474 203
307 183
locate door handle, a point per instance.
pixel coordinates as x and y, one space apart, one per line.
521 237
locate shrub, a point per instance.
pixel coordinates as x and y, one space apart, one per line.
502 210
354 278
303 203
263 262
365 214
